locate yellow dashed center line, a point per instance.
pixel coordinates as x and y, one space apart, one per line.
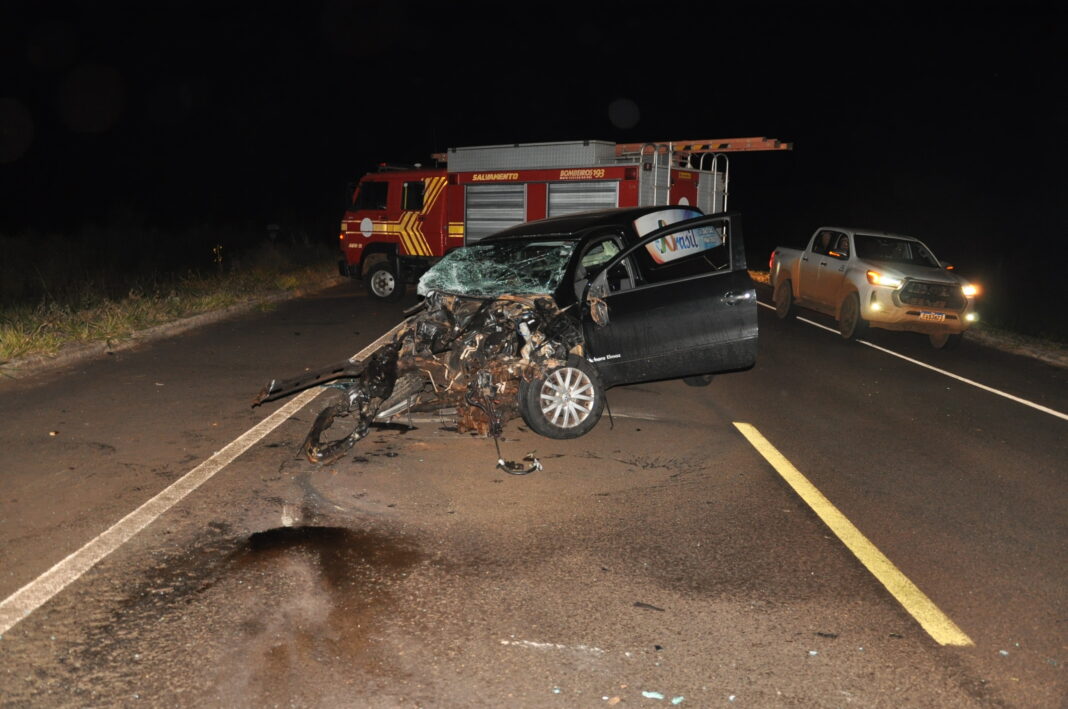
937 624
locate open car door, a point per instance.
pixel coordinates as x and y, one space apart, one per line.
690 310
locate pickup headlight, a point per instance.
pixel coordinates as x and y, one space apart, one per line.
878 279
970 290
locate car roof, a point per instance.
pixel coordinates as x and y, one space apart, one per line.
872 232
575 225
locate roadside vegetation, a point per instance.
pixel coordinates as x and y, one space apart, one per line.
57 292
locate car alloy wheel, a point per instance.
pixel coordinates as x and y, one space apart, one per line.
564 403
566 397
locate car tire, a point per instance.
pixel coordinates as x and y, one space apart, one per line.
784 300
945 340
565 403
384 282
701 380
851 324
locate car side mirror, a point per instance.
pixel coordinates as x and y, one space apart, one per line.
840 255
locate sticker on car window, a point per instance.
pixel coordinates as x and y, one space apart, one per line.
685 243
648 223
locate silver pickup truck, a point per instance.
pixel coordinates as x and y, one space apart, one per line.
864 277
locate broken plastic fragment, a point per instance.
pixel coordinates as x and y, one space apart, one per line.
652 695
677 700
529 465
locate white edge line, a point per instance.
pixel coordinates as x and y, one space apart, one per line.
553 646
39 591
951 375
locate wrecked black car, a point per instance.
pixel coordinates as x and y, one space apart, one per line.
538 320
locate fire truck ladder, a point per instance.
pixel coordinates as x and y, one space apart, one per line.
682 153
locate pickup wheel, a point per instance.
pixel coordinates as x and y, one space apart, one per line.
384 282
784 300
850 323
944 340
565 403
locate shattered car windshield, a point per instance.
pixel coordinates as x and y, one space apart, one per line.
501 268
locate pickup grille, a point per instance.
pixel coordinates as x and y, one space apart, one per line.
932 295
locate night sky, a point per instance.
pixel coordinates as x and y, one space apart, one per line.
942 120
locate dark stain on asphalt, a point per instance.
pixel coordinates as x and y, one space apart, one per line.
340 554
309 592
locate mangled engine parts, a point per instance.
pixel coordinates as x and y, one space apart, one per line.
477 355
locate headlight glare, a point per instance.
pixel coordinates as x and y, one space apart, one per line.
970 290
879 279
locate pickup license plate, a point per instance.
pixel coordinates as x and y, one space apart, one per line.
937 317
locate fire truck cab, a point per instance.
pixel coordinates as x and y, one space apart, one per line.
402 220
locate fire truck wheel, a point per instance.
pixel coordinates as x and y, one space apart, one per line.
565 403
384 283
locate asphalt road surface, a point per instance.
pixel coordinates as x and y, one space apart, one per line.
839 526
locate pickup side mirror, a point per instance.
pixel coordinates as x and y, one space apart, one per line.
840 255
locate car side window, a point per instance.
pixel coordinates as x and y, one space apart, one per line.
371 195
687 252
824 242
841 247
599 252
412 196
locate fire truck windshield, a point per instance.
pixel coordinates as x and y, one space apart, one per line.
501 268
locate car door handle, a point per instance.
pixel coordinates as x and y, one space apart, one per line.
823 263
732 298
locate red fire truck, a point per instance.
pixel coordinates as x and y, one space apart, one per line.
402 220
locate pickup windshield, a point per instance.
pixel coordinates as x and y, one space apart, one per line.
889 249
501 268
